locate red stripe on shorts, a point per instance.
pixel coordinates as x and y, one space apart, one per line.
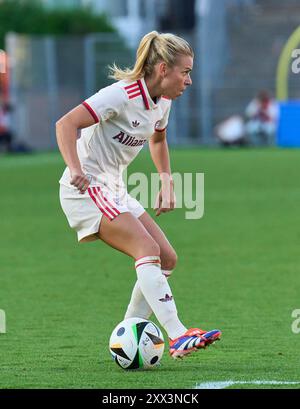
99 205
112 205
105 205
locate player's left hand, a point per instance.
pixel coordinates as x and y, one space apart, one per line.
81 181
165 201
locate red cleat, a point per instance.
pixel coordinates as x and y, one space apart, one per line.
192 340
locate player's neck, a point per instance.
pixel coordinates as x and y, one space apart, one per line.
154 88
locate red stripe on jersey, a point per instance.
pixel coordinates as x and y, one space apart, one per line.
131 86
164 97
160 130
99 205
131 91
91 111
108 202
135 95
143 94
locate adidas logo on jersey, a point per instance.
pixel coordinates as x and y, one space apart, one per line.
135 124
129 140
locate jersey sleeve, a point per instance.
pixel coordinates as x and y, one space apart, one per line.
161 125
106 103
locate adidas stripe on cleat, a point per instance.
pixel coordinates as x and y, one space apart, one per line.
211 336
192 340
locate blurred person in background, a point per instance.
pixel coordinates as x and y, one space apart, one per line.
261 119
6 136
231 131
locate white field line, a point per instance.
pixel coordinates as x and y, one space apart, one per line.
225 384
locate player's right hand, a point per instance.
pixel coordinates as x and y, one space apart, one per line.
81 181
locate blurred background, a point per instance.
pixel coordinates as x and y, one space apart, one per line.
55 53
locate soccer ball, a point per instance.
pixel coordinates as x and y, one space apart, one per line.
136 343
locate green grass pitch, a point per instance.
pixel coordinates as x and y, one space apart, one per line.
238 270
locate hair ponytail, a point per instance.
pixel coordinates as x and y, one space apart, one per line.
154 47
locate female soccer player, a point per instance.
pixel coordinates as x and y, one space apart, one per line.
114 125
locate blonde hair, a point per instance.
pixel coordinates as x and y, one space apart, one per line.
154 47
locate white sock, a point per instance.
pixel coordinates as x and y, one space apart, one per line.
157 293
138 306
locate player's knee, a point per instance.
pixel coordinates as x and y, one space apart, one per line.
149 247
169 260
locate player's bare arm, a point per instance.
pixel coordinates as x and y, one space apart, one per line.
160 155
66 133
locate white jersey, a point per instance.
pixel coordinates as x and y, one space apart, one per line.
125 118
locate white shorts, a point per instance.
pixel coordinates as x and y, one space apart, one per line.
85 211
